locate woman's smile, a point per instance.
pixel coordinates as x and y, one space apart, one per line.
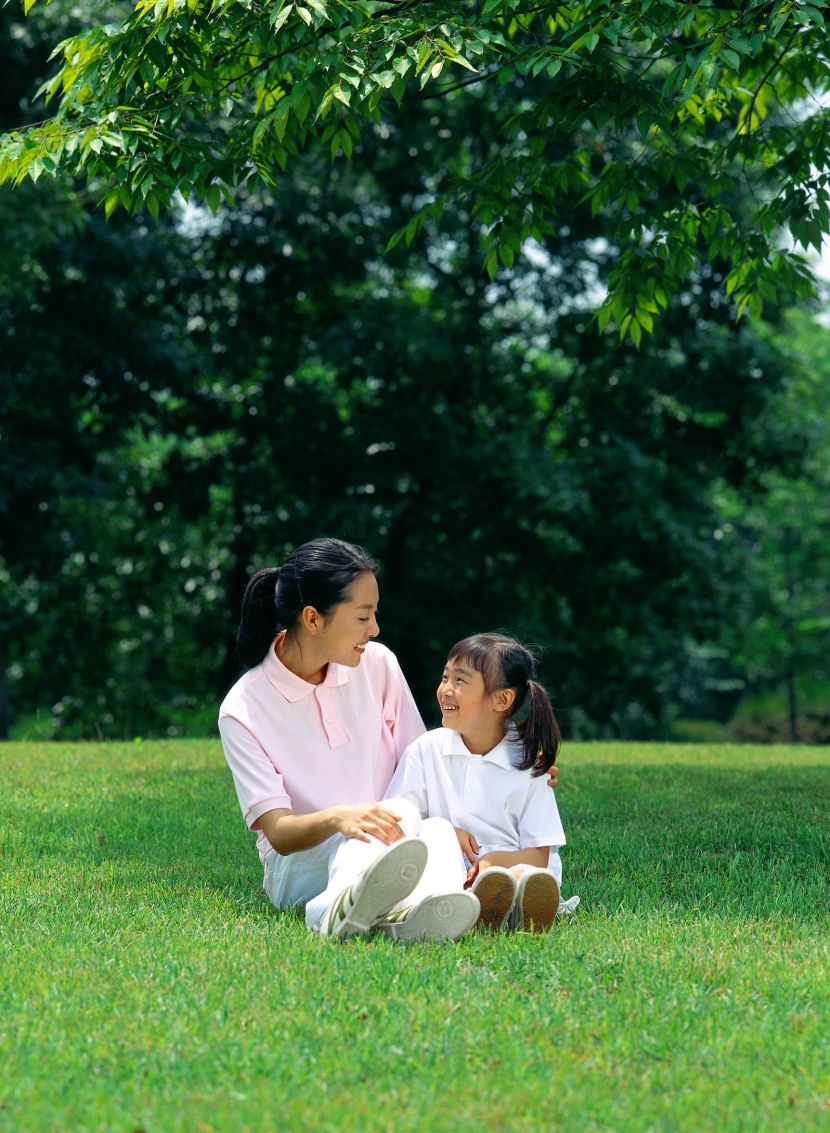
357 612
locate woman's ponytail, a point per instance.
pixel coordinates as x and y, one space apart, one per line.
258 624
539 732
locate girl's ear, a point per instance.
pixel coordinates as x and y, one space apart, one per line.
504 699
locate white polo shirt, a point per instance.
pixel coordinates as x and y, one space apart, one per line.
302 747
502 807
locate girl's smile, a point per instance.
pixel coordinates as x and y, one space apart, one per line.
462 698
467 707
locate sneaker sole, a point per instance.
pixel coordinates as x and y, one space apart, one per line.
445 916
386 881
539 902
496 893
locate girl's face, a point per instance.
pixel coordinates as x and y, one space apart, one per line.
344 634
465 705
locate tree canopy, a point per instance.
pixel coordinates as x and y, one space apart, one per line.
182 399
693 132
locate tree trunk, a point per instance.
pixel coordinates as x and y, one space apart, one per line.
793 707
5 706
790 630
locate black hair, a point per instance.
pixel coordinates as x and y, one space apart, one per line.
505 663
317 574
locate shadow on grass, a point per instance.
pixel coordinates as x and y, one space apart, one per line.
643 838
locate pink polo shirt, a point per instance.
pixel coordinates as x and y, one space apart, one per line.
297 746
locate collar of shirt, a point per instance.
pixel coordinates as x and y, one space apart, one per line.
293 687
504 753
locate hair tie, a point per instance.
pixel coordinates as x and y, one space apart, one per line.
299 588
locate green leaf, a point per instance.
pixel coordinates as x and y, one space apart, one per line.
425 53
279 17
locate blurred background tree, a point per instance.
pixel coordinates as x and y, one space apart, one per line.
779 641
183 399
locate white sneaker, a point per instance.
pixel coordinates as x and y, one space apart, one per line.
442 916
496 892
537 901
382 884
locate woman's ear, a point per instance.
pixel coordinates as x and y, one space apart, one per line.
311 619
504 699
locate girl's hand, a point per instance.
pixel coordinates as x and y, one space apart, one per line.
475 869
467 842
553 776
365 819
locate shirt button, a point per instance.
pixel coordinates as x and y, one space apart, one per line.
329 719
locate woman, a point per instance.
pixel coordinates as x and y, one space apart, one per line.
312 734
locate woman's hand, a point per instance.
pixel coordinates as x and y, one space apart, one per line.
469 846
368 818
553 776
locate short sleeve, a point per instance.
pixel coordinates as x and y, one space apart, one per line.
400 712
259 786
409 781
540 824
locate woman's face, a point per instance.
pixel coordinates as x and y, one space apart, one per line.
347 629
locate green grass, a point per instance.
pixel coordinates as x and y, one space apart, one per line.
145 983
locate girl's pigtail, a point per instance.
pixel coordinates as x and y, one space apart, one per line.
258 624
539 732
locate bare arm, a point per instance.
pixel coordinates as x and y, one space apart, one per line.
288 832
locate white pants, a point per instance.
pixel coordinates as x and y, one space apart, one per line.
296 878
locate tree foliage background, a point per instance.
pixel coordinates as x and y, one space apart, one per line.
185 397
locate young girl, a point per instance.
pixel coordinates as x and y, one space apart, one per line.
486 775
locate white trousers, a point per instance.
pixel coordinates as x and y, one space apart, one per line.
319 875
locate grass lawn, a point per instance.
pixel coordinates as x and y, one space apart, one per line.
146 984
